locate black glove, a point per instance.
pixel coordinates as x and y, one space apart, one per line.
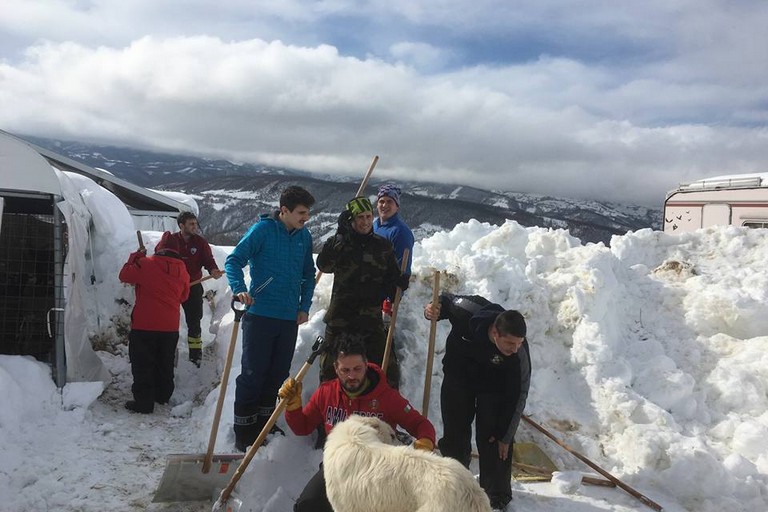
403 281
344 227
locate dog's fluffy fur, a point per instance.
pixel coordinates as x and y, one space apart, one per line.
365 472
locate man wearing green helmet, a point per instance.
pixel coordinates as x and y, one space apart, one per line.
365 273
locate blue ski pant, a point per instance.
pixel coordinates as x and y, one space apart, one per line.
268 346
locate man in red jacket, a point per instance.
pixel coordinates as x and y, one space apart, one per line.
361 388
196 254
162 284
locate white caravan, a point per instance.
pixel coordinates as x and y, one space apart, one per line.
739 200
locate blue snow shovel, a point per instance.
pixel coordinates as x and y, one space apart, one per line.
229 503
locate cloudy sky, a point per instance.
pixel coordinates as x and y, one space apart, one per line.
615 100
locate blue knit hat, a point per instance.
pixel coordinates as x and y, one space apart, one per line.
390 190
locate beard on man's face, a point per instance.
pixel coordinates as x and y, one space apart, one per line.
352 385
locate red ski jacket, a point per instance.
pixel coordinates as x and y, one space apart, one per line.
196 254
330 405
162 284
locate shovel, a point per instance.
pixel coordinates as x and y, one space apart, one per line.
431 346
226 501
189 477
395 307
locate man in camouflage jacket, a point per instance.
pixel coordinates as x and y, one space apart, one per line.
365 272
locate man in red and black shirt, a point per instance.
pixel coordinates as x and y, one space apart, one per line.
196 254
360 388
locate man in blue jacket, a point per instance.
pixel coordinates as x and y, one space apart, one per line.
278 250
390 225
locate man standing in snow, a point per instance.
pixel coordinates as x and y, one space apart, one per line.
196 254
361 388
390 226
365 272
278 249
487 374
162 284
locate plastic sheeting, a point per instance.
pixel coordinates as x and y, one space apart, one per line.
99 225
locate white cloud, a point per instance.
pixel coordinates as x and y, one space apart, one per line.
421 55
622 102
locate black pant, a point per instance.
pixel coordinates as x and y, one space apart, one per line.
460 407
375 341
493 417
314 498
152 354
193 310
457 405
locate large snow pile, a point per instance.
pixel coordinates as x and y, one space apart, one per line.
649 357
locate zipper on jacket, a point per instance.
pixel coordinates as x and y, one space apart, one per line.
263 285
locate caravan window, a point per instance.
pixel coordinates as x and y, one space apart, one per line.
755 224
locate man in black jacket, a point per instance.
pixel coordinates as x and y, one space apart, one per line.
365 272
486 377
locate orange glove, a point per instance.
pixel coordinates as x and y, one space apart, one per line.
424 444
290 391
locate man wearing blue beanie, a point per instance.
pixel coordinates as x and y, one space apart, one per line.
390 225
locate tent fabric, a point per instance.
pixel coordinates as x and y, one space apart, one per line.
101 232
23 169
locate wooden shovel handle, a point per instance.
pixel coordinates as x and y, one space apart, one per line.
227 492
360 191
367 176
431 347
141 241
544 472
395 306
198 281
222 388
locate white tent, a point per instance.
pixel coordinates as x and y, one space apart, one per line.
39 184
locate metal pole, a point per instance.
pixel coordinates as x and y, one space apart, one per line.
58 294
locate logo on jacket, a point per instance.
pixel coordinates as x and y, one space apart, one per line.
374 404
193 250
497 360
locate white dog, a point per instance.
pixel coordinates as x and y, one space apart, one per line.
364 472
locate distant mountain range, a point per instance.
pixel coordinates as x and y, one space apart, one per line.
231 196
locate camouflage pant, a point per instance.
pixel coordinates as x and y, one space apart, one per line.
375 341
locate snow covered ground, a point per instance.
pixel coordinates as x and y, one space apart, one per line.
649 357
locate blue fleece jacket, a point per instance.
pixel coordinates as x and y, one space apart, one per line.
399 234
272 252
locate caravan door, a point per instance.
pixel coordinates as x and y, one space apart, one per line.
716 214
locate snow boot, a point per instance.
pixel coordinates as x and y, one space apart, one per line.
134 406
245 426
196 356
265 412
500 501
195 344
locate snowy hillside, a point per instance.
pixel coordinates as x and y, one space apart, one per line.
649 357
229 196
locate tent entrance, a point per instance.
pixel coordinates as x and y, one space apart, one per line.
31 263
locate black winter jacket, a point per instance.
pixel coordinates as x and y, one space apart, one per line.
473 362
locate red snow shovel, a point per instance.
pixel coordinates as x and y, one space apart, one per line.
197 477
229 503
